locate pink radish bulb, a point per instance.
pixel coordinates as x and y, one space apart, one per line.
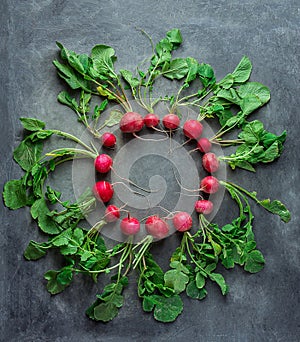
112 213
151 120
103 163
182 221
204 145
204 207
171 121
156 227
130 226
108 139
131 122
192 129
209 184
210 162
103 191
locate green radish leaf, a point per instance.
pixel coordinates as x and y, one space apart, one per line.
14 194
276 207
78 62
148 304
250 103
226 82
242 164
65 98
54 286
28 153
255 89
193 66
132 81
35 250
167 309
103 58
178 68
65 276
219 279
105 312
40 211
32 124
206 74
252 132
193 291
176 280
254 262
174 37
73 79
200 280
104 92
243 71
105 308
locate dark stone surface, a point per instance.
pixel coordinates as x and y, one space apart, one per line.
261 307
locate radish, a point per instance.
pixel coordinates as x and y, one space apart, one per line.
204 145
209 184
210 162
112 213
157 227
151 120
130 226
103 191
204 207
103 163
171 121
108 139
131 122
182 221
192 129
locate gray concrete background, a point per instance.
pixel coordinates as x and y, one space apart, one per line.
261 307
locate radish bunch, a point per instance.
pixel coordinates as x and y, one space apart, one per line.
133 122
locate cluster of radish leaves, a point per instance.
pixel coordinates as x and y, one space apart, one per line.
194 262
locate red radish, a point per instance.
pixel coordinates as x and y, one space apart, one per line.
130 226
157 227
204 207
131 122
209 184
103 163
204 145
192 129
171 121
112 213
108 139
103 191
210 162
151 120
182 221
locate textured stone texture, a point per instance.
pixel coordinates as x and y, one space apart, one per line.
262 307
